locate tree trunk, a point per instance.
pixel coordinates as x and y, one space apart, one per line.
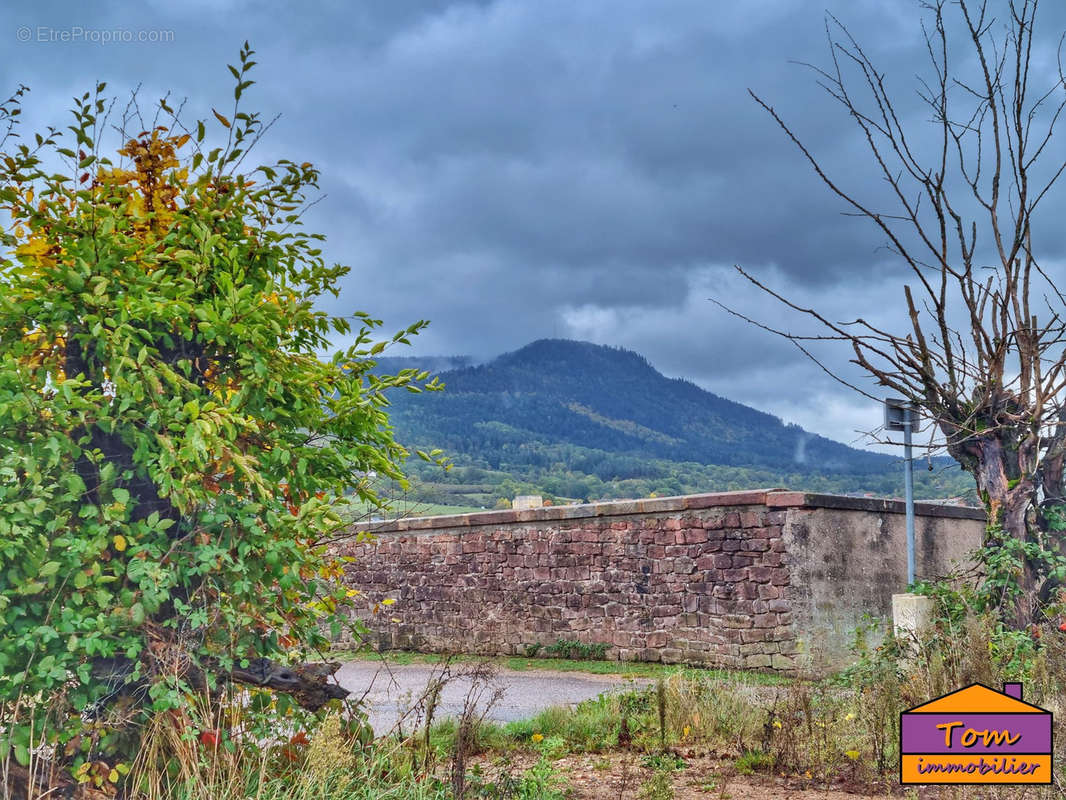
1004 470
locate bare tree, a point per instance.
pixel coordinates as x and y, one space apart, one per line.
983 357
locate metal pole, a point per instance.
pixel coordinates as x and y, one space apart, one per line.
908 472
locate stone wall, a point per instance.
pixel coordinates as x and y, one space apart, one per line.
761 579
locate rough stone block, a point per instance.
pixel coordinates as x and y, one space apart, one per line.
751 519
760 574
779 576
782 662
767 591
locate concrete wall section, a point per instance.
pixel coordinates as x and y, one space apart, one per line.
762 579
849 557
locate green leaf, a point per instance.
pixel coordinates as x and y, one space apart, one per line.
49 569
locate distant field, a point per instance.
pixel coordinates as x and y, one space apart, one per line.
357 512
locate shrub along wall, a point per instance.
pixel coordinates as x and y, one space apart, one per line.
757 579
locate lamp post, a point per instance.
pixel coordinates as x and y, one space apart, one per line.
900 416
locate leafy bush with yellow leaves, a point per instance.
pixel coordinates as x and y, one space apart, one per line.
171 442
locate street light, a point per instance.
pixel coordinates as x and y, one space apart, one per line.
902 416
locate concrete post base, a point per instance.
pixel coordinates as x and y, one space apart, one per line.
911 615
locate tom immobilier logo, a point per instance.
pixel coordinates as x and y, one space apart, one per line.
976 735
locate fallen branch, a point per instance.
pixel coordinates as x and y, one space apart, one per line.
308 684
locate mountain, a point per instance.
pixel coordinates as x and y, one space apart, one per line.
556 391
558 407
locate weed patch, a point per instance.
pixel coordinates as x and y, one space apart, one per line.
574 650
754 761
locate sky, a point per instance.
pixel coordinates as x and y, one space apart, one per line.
589 169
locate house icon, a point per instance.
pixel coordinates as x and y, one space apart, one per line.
976 735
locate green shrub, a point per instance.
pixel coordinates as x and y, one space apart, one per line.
577 651
753 761
170 440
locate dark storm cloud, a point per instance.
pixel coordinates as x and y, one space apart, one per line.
591 139
528 168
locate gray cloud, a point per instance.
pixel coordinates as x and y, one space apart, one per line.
528 168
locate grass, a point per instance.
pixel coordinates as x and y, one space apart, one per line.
686 709
843 730
625 669
834 732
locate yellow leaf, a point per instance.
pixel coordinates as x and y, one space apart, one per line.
34 247
113 776
220 118
120 542
852 754
388 602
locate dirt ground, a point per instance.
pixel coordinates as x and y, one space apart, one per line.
621 776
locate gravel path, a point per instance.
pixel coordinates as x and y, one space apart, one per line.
393 691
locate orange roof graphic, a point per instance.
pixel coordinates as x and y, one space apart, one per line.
977 698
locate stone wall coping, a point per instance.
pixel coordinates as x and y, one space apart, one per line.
772 498
878 504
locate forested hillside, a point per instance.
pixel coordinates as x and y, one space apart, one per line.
582 421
